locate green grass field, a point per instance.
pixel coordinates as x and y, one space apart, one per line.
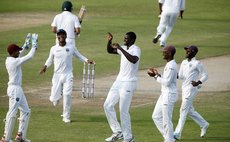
205 24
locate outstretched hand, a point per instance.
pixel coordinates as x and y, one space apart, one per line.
35 40
90 62
43 70
27 41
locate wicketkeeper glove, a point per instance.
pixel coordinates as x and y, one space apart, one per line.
34 40
27 41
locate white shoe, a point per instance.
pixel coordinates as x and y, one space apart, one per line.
115 137
203 130
66 120
176 136
130 140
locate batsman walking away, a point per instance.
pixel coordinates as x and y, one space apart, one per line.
67 21
62 82
17 99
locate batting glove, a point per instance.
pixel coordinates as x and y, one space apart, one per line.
27 41
35 40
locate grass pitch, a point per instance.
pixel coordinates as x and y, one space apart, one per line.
205 23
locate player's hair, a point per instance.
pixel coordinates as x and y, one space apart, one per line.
67 6
132 35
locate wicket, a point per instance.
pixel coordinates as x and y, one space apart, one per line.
87 86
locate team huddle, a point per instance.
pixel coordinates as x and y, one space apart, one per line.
66 27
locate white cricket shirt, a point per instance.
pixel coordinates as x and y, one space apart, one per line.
13 66
168 78
191 71
62 58
67 21
128 71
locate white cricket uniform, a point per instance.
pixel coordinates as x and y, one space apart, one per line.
190 71
62 81
170 12
17 99
122 91
162 114
68 22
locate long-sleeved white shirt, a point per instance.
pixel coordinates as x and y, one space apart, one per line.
192 71
168 78
13 66
62 58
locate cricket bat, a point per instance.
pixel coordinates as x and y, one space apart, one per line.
81 13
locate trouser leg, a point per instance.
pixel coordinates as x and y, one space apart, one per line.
184 109
157 116
24 117
167 122
11 117
125 101
110 102
67 101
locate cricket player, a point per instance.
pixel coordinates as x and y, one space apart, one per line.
170 12
68 22
17 99
163 111
193 73
123 88
161 2
61 55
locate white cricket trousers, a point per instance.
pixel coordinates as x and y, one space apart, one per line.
17 100
166 24
162 117
62 84
188 95
121 92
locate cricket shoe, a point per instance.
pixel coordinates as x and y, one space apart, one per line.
115 137
156 38
203 130
66 120
162 44
20 139
129 140
176 136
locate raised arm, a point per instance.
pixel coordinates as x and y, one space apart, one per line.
110 48
32 51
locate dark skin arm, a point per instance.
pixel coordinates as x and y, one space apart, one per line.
112 49
131 58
